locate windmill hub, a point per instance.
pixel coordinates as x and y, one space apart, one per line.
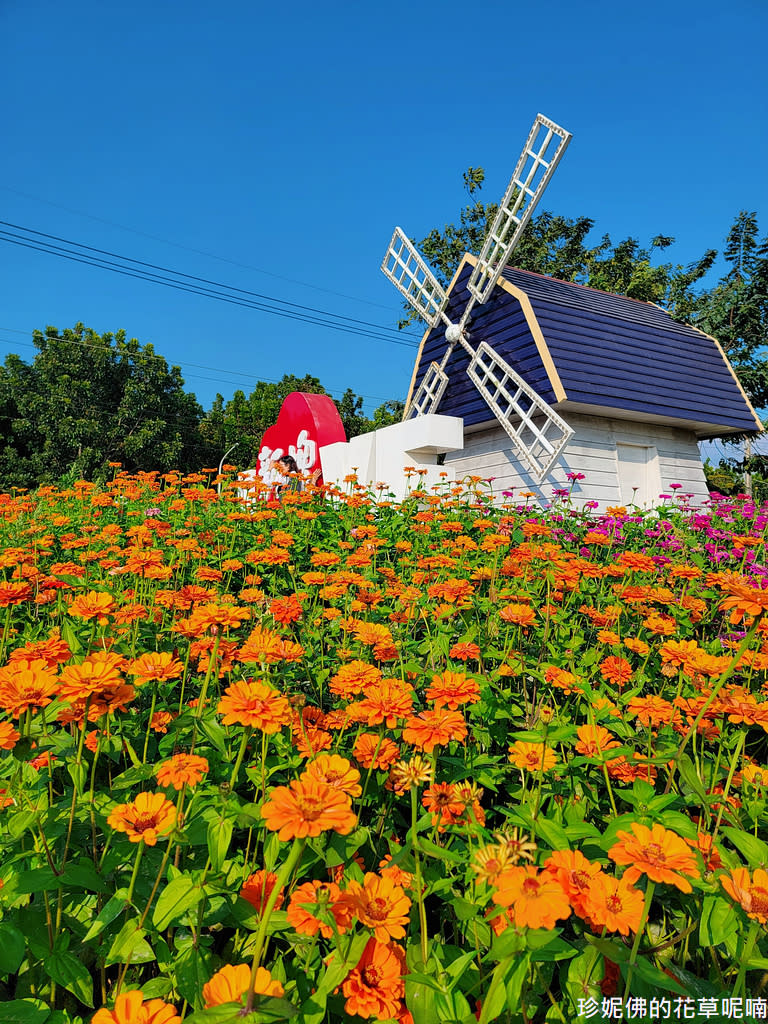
453 334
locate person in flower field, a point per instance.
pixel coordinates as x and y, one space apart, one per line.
292 481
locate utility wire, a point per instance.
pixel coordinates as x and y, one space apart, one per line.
196 376
187 248
199 285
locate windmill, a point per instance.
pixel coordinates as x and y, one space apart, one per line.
537 432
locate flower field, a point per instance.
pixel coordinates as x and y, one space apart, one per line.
334 758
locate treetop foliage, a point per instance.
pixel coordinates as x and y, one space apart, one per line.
88 399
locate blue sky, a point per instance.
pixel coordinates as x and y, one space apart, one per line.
274 147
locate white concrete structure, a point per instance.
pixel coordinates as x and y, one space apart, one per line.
382 455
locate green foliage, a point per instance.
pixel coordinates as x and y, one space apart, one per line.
88 399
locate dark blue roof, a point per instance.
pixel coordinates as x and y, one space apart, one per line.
613 354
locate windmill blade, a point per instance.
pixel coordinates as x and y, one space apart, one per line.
429 393
541 154
537 432
410 275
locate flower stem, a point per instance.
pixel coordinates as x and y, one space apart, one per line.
135 875
240 754
638 934
291 862
742 975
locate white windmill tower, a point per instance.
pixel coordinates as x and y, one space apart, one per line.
537 432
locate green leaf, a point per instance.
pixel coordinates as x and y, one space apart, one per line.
66 970
79 774
112 909
654 977
610 950
37 880
506 986
24 1011
551 833
19 822
421 1000
753 849
718 921
67 629
176 899
194 968
439 852
584 976
216 734
129 778
83 875
12 947
690 777
130 946
219 838
226 1013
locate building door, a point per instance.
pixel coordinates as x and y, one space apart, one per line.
639 474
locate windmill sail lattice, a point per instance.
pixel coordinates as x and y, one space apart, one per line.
538 432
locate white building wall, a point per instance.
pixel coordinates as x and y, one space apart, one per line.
593 452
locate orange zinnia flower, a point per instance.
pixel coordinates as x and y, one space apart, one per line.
26 684
93 605
616 670
257 889
262 645
535 898
751 893
744 601
160 721
656 852
155 665
286 610
307 808
14 593
380 904
444 802
253 703
452 689
593 740
354 677
518 614
317 898
375 987
435 728
614 904
206 616
334 771
532 757
182 770
464 652
405 775
651 711
130 1008
230 984
372 751
9 737
389 701
145 819
97 673
575 874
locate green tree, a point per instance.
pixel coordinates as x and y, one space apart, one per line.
557 246
88 399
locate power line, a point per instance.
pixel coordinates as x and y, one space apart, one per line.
195 376
198 252
198 285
